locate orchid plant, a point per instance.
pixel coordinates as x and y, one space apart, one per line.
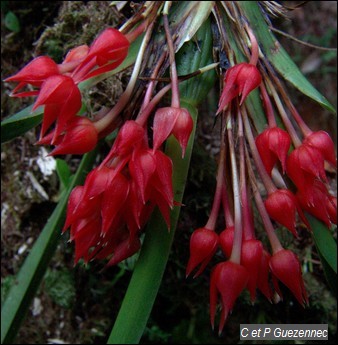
271 165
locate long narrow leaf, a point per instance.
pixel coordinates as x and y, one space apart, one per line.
33 269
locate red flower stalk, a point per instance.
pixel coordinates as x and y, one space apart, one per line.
282 206
108 51
35 73
62 100
203 245
80 136
286 267
322 141
170 120
240 80
273 144
228 280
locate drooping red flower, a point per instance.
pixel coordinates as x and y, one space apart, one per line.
318 202
80 136
228 280
170 120
35 73
62 101
107 52
203 245
304 165
226 240
322 141
239 80
282 206
263 277
273 144
286 267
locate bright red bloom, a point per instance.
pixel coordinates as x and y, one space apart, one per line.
240 80
226 240
263 277
286 267
176 121
282 206
203 245
322 141
35 73
318 202
304 165
80 136
228 280
251 258
62 100
108 51
273 144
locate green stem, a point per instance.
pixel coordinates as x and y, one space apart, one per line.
149 269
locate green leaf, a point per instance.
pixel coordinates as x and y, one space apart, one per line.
12 22
33 269
19 123
193 55
277 55
325 243
63 172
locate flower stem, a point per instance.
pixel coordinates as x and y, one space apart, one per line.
237 244
254 47
175 98
218 193
268 107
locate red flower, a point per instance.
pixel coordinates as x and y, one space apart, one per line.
263 276
228 280
62 100
80 136
273 144
304 165
226 240
318 202
322 142
35 73
176 121
286 267
282 206
108 51
203 245
240 79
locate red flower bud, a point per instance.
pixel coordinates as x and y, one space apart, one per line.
228 280
176 121
240 79
282 206
251 257
286 267
80 137
263 276
62 100
124 250
226 240
321 141
35 73
304 165
273 144
108 51
318 202
203 245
